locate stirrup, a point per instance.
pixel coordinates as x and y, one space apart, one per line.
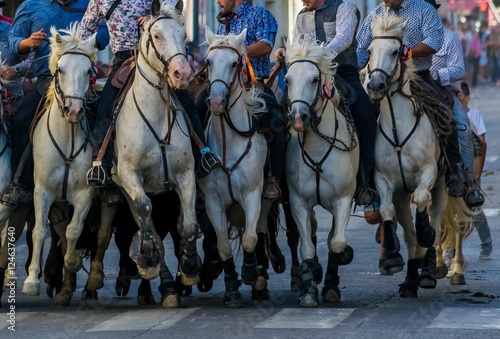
11 195
366 196
455 187
209 160
97 175
474 197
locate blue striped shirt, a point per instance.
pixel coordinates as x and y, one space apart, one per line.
423 25
261 26
32 15
449 60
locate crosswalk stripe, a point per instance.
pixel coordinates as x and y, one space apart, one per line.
19 316
306 318
491 212
467 318
143 320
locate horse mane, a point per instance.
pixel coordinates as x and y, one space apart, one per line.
308 49
251 96
168 9
61 44
391 25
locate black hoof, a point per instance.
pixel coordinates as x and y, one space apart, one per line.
279 265
343 258
89 295
191 265
146 300
393 261
408 290
50 291
427 280
122 286
260 295
232 299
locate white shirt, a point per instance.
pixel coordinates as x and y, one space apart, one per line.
476 121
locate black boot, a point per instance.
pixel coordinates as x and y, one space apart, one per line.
454 183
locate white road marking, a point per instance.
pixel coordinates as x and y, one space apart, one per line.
467 318
492 158
19 316
143 320
306 318
491 212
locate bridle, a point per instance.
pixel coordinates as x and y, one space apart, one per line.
60 95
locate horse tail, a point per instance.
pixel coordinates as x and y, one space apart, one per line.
457 221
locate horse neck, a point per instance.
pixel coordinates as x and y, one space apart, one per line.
237 112
402 106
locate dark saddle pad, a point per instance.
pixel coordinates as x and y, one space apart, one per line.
346 90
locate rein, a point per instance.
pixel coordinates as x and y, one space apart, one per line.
60 98
395 143
226 117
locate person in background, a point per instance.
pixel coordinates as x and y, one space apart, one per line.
477 123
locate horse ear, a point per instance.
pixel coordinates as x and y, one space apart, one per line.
92 41
403 25
180 6
209 35
240 40
155 8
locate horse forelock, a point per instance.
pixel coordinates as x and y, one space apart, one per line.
304 49
228 40
167 9
384 24
70 40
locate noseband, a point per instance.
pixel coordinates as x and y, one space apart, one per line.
388 76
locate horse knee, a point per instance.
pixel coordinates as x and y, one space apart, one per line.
249 242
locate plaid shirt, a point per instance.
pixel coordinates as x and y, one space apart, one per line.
423 25
261 26
449 61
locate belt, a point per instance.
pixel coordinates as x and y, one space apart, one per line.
125 54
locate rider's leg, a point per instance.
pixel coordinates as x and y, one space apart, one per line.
19 134
273 126
474 196
103 121
205 160
366 125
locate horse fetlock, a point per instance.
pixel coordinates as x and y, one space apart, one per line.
391 241
249 269
344 257
31 288
95 281
190 264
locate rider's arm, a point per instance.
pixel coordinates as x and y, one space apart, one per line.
258 49
452 51
91 21
345 28
21 29
265 34
364 38
432 30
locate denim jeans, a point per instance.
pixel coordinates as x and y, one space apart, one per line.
482 227
464 137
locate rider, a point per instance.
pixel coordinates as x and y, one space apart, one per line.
423 36
335 23
30 31
123 18
448 69
261 28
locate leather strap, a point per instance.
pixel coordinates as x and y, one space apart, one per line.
112 9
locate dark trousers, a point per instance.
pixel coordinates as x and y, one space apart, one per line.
365 121
453 145
272 124
19 133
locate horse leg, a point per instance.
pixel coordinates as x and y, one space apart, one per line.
276 256
63 297
458 277
43 201
249 240
190 261
144 293
212 263
96 278
302 216
216 213
292 235
392 259
54 265
342 254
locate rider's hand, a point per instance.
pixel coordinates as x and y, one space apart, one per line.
36 39
279 54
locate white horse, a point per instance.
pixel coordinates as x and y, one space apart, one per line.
232 134
321 161
62 151
152 144
407 154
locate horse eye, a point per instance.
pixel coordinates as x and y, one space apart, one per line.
395 53
315 80
234 64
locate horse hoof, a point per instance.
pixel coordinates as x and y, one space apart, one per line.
408 292
49 290
345 257
279 265
308 300
171 301
426 282
189 281
89 295
457 279
331 296
63 299
441 272
31 288
260 295
122 286
232 300
149 300
393 261
149 273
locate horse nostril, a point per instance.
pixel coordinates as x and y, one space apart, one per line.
381 86
65 109
177 75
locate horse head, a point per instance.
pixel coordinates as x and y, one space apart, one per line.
163 44
310 81
386 49
225 57
71 63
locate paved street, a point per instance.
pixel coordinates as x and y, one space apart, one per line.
370 305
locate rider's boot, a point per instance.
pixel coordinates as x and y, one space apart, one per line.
455 185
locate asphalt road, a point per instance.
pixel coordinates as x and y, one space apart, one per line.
370 305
